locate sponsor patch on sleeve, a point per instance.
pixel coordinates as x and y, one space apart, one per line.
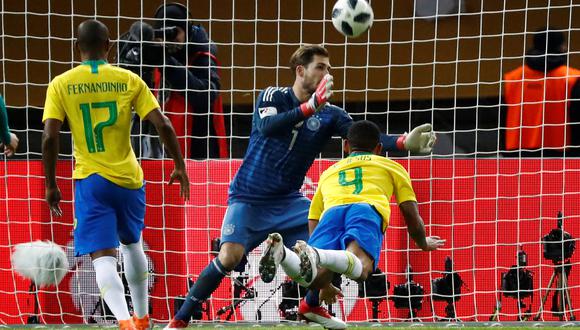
267 111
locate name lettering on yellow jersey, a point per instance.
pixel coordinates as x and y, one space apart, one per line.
358 158
96 87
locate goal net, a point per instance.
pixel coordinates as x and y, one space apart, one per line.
441 62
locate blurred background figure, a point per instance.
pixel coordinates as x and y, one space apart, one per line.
542 98
178 61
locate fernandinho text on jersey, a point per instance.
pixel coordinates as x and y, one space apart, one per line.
97 87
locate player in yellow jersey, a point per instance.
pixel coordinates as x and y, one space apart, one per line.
348 216
98 99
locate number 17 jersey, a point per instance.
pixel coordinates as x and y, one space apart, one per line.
97 99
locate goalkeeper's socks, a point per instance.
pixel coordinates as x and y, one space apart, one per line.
342 262
312 298
209 279
111 287
137 273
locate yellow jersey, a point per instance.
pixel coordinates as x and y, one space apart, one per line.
362 178
98 99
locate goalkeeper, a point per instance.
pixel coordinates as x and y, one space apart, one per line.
97 100
348 216
290 127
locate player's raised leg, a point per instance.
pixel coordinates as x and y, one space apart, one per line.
276 254
327 250
290 222
339 261
347 241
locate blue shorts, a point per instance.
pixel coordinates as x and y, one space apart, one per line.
343 224
249 224
105 214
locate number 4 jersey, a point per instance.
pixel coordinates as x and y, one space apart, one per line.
362 178
98 99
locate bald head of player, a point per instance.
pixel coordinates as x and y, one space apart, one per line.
92 40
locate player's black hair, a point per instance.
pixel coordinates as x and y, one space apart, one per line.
92 36
363 135
304 54
548 40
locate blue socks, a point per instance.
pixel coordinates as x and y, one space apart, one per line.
209 279
312 297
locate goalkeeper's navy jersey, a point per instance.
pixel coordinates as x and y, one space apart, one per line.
283 145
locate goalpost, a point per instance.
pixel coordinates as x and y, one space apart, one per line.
417 64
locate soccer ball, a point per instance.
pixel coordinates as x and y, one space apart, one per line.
352 17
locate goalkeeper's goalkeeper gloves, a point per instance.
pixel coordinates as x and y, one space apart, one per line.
319 97
420 140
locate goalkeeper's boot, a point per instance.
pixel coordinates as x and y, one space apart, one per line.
308 261
271 258
320 315
127 325
176 324
143 323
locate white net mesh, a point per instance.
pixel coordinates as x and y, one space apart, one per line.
412 67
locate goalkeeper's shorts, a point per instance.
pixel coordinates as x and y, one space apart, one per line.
343 224
105 214
249 224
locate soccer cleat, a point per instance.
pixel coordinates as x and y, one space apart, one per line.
127 325
143 323
321 316
308 261
176 324
271 258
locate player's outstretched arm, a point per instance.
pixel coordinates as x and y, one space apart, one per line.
168 138
50 137
416 228
420 140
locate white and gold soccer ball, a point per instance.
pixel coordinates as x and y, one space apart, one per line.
352 17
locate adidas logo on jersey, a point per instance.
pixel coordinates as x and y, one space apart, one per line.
267 111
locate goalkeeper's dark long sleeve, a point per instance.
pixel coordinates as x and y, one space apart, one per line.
389 142
270 125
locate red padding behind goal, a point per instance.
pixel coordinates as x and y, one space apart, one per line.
484 208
